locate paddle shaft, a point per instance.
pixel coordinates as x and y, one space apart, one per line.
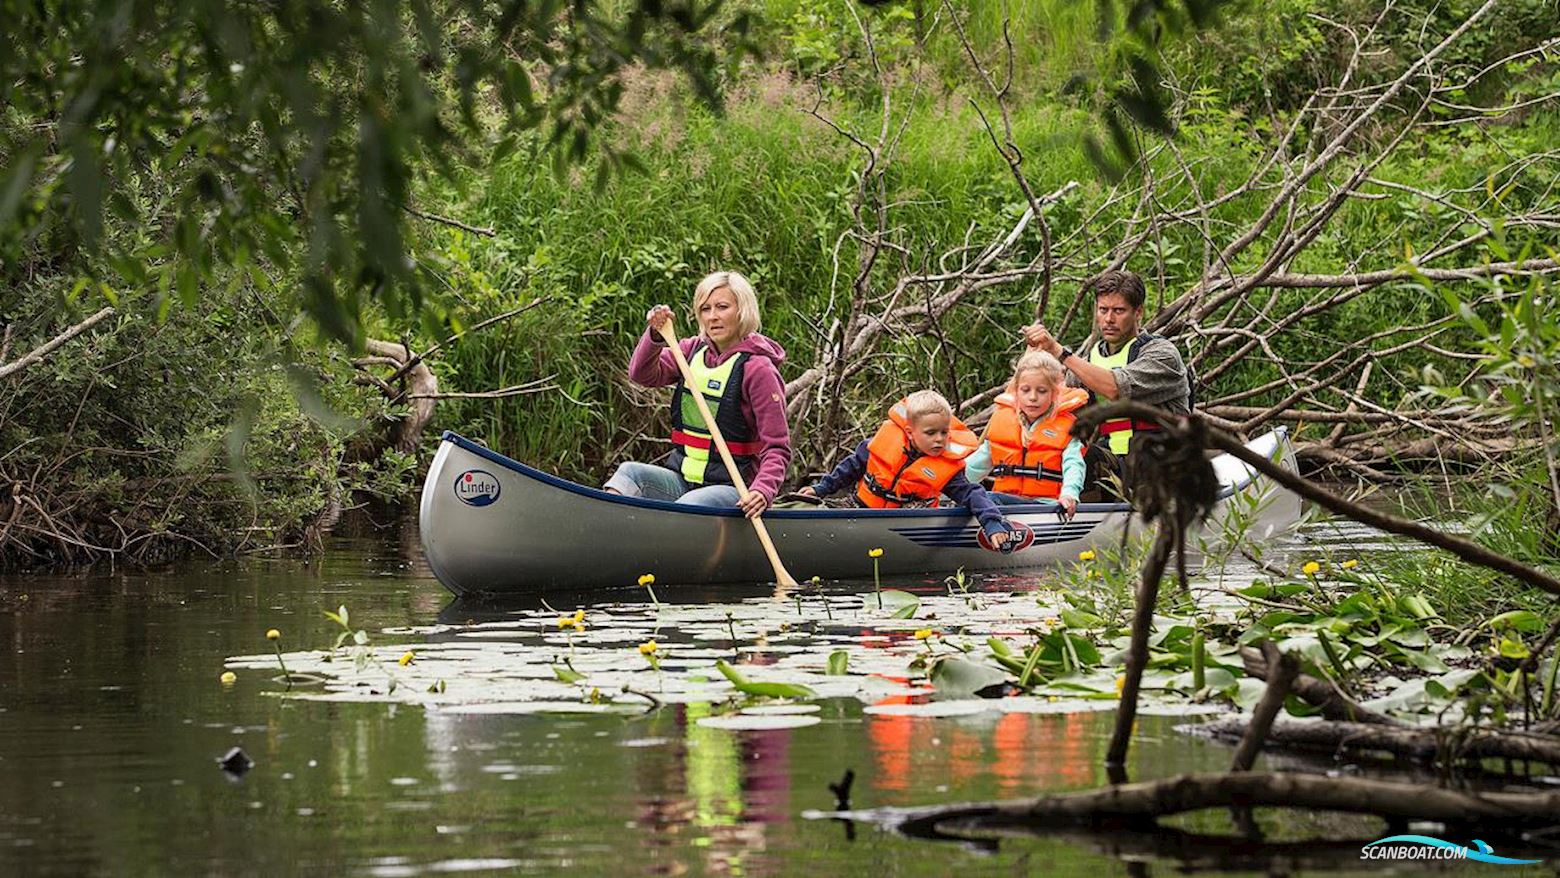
782 576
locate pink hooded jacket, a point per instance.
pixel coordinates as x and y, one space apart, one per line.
763 395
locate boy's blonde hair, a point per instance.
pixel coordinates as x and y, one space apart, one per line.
747 301
926 402
1048 366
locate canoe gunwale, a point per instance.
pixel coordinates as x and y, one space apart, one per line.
667 506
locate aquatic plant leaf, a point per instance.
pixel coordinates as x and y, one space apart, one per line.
966 707
838 660
900 604
566 674
960 678
742 722
1081 619
780 709
763 690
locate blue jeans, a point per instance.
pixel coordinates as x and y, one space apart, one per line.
635 479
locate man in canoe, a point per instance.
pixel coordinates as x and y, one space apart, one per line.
737 369
1126 362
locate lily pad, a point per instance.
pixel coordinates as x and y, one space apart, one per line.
961 678
742 722
780 709
930 708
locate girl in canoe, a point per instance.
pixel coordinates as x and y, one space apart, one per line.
916 456
1028 449
736 369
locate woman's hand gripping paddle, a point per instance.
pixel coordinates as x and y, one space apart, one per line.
782 577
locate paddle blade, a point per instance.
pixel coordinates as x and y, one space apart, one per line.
1020 537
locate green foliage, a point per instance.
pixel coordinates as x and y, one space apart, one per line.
289 136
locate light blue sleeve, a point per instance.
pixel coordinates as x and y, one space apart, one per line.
978 465
1073 469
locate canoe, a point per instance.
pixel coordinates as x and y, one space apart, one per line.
494 528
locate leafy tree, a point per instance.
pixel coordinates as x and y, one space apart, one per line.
147 144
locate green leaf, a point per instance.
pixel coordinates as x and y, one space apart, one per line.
959 678
838 660
763 690
1525 621
899 604
1081 619
567 674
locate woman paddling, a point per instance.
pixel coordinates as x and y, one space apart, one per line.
737 369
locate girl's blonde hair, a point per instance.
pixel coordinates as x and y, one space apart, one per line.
747 300
1039 361
926 402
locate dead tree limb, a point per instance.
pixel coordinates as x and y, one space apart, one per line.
1463 548
1420 745
1142 803
1282 670
1318 693
37 354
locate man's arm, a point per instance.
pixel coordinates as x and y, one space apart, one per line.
1096 379
1156 377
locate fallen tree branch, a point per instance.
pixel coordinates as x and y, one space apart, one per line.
453 223
1141 803
1420 745
1282 670
1463 548
37 354
1318 693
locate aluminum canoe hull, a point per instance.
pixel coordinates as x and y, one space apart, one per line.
493 527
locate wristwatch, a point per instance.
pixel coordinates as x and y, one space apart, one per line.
1062 357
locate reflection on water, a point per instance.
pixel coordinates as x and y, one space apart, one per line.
111 718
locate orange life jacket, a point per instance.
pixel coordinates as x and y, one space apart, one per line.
897 474
1031 465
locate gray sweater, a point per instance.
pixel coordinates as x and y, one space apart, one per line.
1156 377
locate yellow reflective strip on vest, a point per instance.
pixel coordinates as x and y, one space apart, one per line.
1122 440
710 381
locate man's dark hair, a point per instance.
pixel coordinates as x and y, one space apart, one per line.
1119 283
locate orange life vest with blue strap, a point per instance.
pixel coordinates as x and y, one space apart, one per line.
897 474
1030 465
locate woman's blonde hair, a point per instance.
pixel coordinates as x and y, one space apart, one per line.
741 289
1039 361
926 402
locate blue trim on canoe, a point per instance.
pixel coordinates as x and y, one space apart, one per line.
516 466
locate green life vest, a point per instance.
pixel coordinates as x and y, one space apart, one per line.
695 457
1119 431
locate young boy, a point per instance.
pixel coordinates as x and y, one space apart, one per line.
916 456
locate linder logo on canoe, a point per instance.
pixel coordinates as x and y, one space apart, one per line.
475 487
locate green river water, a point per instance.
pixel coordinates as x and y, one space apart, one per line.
112 718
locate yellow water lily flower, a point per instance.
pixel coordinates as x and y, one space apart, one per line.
1311 568
647 579
406 659
565 622
1086 555
579 616
649 647
1350 564
874 553
228 678
924 634
1121 683
1052 699
273 634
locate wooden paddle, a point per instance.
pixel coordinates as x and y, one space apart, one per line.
670 336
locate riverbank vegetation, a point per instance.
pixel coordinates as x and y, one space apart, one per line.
1318 234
